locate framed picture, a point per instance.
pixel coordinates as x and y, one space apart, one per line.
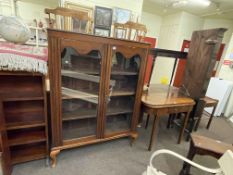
121 15
103 17
78 25
102 32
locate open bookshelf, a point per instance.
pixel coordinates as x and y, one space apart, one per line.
25 115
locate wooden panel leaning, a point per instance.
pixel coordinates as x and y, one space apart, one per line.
201 61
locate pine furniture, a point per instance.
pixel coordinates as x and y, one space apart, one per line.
161 100
95 88
23 116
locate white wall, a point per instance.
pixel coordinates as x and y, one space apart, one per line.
216 23
153 23
134 5
29 11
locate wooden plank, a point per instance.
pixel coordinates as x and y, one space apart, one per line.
201 60
168 53
70 93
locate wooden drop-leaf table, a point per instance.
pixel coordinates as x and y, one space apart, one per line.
161 100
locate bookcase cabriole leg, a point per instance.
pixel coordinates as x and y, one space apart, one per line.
53 156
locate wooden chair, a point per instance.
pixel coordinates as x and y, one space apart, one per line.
65 21
204 146
208 102
130 30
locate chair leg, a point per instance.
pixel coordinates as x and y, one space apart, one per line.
211 117
190 128
169 121
186 167
199 114
147 120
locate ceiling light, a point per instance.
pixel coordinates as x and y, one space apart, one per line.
179 3
205 3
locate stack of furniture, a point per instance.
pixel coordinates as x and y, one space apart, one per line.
96 86
201 59
24 129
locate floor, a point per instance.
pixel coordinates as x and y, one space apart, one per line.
118 158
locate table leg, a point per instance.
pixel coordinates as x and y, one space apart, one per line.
211 117
140 116
186 117
152 138
186 167
200 113
147 120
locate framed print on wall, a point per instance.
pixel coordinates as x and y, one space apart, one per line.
103 17
121 15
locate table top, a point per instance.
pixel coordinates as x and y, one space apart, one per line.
158 96
206 143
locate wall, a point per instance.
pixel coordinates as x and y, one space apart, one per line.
216 23
153 23
29 11
174 29
134 5
227 73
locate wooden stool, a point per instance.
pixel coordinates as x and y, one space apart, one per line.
208 102
204 146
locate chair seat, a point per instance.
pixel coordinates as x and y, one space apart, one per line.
215 146
210 101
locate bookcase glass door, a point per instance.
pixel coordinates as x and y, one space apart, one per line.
80 79
121 98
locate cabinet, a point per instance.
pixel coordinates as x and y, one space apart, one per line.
95 88
23 116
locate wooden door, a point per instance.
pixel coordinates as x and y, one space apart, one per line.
5 160
125 75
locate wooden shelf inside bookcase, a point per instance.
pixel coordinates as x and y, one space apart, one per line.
84 76
22 125
70 94
28 154
91 113
123 72
123 92
27 138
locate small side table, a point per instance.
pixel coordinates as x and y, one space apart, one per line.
161 100
208 102
204 146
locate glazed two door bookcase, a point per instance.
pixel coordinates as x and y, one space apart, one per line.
95 88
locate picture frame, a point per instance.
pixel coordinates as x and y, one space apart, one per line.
77 25
121 15
103 17
102 32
